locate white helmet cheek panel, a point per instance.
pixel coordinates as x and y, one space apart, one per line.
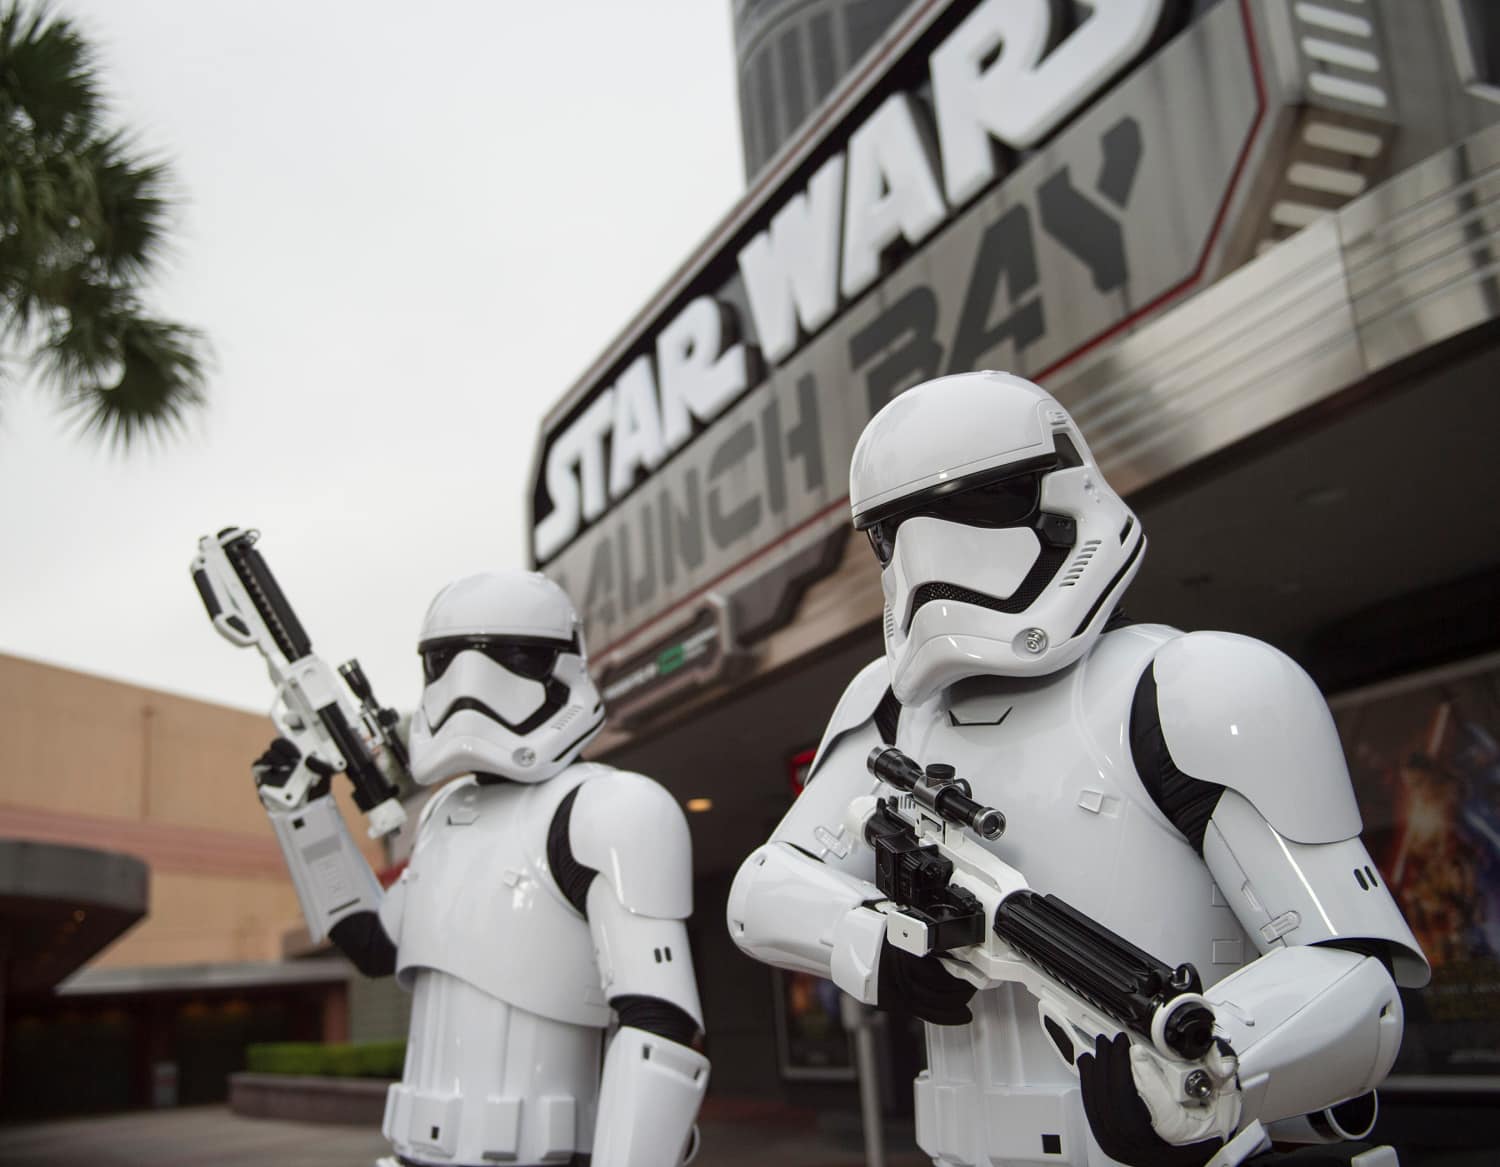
993 561
469 742
474 677
943 646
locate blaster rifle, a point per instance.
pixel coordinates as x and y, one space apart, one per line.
312 709
952 897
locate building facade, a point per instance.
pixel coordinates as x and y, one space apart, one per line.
124 785
1250 244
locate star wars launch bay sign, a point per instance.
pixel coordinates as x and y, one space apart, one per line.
1006 193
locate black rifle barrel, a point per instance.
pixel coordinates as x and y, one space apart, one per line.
383 721
1103 967
370 785
358 683
266 594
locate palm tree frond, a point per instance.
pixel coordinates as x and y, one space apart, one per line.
130 218
83 219
46 75
156 379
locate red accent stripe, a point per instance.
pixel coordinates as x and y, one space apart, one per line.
796 763
163 846
389 875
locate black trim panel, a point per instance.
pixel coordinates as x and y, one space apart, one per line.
888 716
360 937
921 498
572 877
1113 584
572 745
1186 801
554 698
1048 563
654 1015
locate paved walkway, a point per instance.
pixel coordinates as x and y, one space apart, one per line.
212 1137
195 1137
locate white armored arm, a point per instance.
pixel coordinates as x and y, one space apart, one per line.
800 901
791 910
332 879
1316 1019
620 849
1244 735
339 894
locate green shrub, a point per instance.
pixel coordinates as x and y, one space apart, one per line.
366 1059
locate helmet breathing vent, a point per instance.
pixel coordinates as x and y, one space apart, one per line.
568 714
890 624
1080 561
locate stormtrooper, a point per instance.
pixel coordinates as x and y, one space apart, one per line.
1185 789
544 902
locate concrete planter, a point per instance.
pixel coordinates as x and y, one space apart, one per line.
353 1101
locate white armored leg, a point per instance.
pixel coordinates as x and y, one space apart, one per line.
651 1092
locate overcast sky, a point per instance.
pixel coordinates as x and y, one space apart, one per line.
405 230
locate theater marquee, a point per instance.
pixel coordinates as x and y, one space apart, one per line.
1017 185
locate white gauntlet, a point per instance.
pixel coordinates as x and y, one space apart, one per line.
331 876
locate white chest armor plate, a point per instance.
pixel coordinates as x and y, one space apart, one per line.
1053 755
482 906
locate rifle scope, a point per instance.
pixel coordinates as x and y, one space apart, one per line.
937 789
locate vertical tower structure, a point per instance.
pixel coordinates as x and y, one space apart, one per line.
791 54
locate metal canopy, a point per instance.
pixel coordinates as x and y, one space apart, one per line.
60 906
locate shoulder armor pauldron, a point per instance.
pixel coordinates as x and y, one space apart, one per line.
1234 713
629 831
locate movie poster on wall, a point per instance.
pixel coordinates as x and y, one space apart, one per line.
810 1035
1424 755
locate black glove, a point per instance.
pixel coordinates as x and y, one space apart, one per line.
1118 1116
279 762
921 986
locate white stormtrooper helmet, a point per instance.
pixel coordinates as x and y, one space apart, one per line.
508 689
1004 550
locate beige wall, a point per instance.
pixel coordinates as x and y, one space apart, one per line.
102 764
